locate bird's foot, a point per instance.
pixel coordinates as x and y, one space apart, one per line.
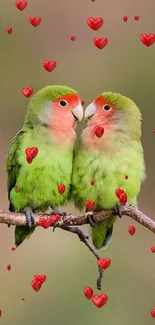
118 210
56 211
90 218
29 216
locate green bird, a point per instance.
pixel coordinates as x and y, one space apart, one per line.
48 133
106 162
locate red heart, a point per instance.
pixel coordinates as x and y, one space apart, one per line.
31 153
35 21
61 188
23 299
88 292
147 40
82 102
92 182
98 130
36 285
95 24
126 176
90 205
125 18
123 198
104 263
153 249
153 313
55 218
41 278
118 192
136 17
27 92
99 300
100 42
21 5
131 230
13 248
72 38
45 223
9 30
49 65
0 312
8 267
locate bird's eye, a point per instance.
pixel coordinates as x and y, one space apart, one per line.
106 107
63 103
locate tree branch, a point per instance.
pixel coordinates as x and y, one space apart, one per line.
70 223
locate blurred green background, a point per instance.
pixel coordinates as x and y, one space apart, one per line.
125 65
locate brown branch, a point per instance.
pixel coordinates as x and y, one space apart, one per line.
70 223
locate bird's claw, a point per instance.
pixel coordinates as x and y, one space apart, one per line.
90 218
118 210
29 216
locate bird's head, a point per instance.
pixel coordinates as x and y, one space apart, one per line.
115 113
57 107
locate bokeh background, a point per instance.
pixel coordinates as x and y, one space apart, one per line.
125 65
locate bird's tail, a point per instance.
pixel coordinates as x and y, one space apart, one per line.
21 233
102 234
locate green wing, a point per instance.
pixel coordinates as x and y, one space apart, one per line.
12 165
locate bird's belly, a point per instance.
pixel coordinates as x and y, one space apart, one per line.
37 185
107 175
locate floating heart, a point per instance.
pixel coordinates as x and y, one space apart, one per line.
118 192
88 292
98 130
9 30
21 5
82 102
36 285
13 248
136 17
92 182
41 278
49 65
99 300
27 92
123 198
125 18
45 223
61 188
90 205
55 218
104 263
73 38
153 249
35 21
131 230
126 176
22 299
147 40
95 24
8 267
31 153
100 42
153 313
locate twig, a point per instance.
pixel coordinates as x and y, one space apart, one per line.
70 223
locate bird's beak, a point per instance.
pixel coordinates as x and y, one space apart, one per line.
77 112
90 111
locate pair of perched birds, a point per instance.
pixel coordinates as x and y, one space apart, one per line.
52 116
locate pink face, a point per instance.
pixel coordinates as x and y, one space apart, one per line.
66 112
101 112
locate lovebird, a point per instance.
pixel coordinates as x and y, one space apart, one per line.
109 156
39 164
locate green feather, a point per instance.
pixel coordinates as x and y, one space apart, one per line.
37 183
